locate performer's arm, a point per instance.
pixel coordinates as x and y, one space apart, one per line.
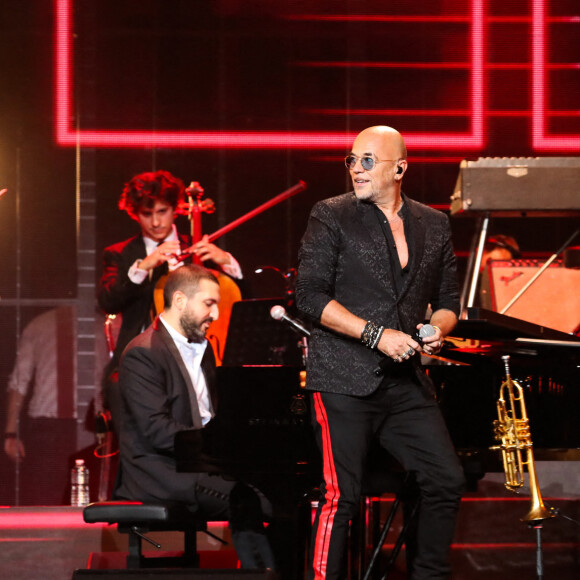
206 251
13 446
142 382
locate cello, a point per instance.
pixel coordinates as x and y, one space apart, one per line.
229 290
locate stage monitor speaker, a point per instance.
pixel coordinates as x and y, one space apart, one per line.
172 574
553 300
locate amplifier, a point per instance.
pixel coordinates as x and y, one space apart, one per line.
504 186
553 300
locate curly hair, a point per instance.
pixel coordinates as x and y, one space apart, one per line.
147 188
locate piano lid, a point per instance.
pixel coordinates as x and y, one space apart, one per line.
482 324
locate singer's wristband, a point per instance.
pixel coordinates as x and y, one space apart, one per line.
371 334
10 435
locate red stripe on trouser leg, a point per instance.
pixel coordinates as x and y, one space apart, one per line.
328 511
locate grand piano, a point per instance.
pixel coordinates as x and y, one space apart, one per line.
544 346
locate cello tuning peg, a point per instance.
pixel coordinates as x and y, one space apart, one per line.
194 188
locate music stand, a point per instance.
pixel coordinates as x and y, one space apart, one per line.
256 339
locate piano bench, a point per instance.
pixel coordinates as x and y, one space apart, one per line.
137 519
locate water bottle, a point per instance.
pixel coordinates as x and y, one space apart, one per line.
79 484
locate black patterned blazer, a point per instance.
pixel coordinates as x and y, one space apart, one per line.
344 256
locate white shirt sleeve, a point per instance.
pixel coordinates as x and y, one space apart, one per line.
233 269
136 275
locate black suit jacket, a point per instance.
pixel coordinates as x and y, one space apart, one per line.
344 257
157 402
117 294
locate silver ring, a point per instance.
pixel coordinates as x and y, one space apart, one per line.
410 352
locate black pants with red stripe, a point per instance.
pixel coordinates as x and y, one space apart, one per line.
407 422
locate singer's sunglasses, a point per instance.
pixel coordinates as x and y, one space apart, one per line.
367 162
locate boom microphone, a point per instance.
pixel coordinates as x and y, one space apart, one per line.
425 331
278 312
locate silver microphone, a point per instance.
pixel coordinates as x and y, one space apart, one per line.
425 331
278 312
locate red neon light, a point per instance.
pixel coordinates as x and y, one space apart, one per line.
38 518
397 112
67 136
540 137
375 64
374 18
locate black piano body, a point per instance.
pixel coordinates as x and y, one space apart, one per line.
546 364
262 436
262 427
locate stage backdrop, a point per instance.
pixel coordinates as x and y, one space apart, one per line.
249 97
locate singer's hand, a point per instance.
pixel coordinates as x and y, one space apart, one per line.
163 253
205 250
398 345
432 344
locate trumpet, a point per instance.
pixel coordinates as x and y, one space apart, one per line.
512 430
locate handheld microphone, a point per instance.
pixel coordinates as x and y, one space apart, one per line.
425 331
278 312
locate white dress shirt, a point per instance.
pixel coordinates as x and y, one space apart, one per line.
138 276
192 353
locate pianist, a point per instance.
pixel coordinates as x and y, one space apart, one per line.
167 385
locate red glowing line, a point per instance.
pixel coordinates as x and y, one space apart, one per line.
66 136
41 519
424 19
428 19
375 64
563 66
570 19
562 113
374 18
430 65
508 66
256 140
398 112
63 68
435 112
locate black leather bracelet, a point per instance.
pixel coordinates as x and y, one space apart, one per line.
11 435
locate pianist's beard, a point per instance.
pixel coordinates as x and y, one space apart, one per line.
194 327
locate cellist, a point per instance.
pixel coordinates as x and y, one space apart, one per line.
132 268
